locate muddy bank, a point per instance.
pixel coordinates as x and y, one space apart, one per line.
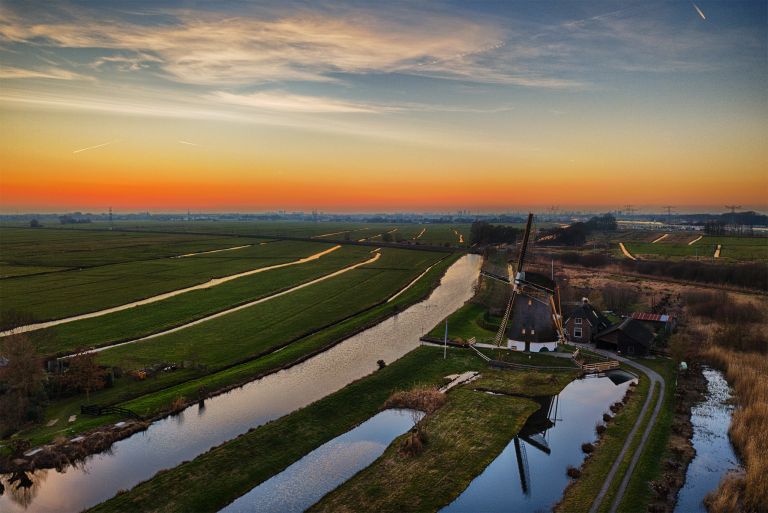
690 390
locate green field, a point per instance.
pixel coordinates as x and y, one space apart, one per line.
676 247
147 319
229 349
435 234
58 295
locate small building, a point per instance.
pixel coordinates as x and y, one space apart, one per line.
584 322
658 323
630 337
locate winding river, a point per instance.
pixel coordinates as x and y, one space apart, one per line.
170 441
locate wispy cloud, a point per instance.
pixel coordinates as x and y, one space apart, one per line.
282 101
49 73
88 148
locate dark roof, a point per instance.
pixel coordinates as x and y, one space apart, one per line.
632 329
595 318
529 314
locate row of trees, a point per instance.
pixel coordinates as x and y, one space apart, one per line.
482 232
576 233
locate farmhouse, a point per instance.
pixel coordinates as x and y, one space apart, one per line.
584 322
628 337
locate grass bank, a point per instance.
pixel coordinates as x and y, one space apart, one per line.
219 476
463 438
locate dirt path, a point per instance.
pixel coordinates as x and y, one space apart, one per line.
211 283
626 251
228 311
212 251
697 239
656 379
717 250
660 238
420 234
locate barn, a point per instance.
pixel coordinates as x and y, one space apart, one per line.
630 337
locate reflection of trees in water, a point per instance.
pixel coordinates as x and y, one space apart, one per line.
22 487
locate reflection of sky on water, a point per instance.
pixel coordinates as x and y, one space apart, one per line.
714 452
581 406
172 440
306 481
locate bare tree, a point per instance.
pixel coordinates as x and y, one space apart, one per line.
21 380
84 374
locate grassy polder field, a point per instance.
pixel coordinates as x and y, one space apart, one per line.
219 476
677 246
236 346
433 233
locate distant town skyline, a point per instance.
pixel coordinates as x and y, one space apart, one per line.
383 107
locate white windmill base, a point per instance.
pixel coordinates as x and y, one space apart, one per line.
535 347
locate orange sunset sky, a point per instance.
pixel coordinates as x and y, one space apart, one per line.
417 107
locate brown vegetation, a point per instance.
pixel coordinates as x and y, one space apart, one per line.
587 448
424 398
573 472
748 374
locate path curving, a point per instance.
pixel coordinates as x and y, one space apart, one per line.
186 255
626 251
160 297
656 379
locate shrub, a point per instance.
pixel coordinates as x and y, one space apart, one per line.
573 472
588 448
424 398
606 417
600 429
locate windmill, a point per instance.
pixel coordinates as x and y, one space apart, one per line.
532 319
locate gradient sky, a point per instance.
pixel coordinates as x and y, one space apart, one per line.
361 106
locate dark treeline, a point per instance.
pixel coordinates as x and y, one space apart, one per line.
482 232
576 233
746 275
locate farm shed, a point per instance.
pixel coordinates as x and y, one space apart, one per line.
656 322
629 337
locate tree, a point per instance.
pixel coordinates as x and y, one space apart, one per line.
21 382
84 374
34 223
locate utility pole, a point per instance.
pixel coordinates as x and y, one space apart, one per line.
445 341
111 227
733 209
669 208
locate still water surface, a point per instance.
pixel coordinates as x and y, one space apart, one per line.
173 440
714 452
529 475
305 482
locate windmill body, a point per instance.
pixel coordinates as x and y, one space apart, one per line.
532 321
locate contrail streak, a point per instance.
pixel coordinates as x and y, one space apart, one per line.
94 147
187 143
699 11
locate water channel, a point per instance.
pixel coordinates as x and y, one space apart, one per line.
305 482
530 473
714 453
173 440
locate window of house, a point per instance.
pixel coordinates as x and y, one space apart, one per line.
577 332
577 321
